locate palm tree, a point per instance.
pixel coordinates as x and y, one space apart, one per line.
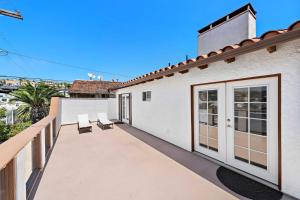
36 101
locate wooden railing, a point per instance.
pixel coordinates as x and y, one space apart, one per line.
23 156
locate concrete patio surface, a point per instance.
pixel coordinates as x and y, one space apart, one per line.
113 164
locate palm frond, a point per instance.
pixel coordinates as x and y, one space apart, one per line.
36 99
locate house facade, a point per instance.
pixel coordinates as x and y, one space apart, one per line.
237 105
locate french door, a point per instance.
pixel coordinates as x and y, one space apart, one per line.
210 120
125 108
236 123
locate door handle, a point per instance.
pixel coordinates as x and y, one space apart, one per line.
228 120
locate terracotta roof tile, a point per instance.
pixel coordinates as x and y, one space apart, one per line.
248 41
92 87
213 53
181 63
270 34
202 58
294 26
230 47
191 60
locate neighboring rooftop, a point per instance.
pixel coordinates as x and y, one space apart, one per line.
92 87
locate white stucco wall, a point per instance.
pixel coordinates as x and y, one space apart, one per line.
231 32
168 114
72 107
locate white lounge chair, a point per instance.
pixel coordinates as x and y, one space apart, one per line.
103 120
84 122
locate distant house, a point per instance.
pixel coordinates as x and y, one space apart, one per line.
92 89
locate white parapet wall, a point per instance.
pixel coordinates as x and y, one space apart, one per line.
72 107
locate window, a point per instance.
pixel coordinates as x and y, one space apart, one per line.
147 96
250 119
208 119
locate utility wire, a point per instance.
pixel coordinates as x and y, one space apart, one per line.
16 64
64 64
3 37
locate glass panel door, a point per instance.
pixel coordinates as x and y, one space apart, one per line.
208 111
125 108
209 126
252 127
236 123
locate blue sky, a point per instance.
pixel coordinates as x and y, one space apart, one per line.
130 37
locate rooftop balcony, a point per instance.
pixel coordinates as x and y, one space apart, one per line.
53 161
113 164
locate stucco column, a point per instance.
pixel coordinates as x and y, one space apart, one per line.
39 150
20 176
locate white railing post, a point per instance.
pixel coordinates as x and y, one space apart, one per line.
43 148
39 150
51 133
20 176
8 181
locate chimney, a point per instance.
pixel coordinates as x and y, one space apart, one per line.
230 29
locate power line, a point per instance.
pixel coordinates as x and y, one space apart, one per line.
63 64
5 53
16 64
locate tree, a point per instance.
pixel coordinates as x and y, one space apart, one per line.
2 113
36 101
18 127
7 131
4 129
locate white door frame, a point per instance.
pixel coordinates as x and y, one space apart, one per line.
273 174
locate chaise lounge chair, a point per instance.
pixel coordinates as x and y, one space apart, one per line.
103 120
84 123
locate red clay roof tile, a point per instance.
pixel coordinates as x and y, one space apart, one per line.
294 26
92 87
265 36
